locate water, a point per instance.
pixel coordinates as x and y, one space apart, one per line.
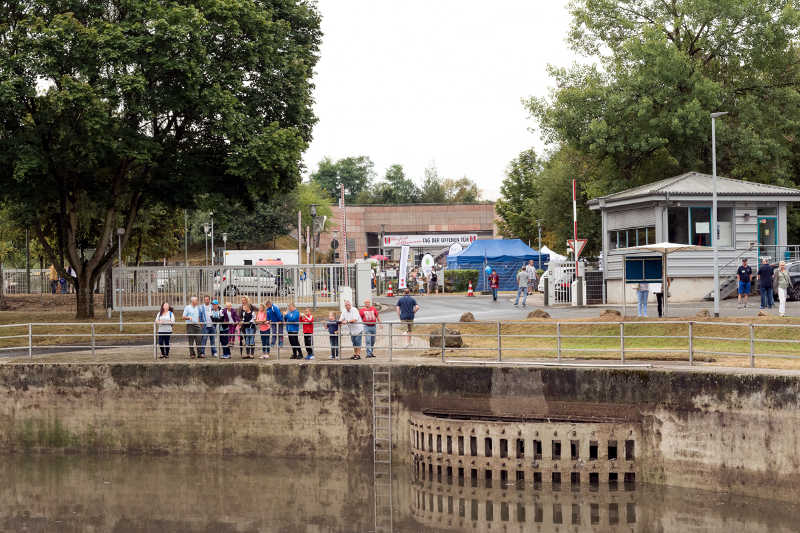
177 494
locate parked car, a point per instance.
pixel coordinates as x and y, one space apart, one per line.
234 281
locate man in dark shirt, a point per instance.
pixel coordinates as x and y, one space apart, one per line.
765 284
406 309
743 274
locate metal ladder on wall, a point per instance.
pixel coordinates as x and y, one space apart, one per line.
382 446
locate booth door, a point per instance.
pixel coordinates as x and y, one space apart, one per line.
767 237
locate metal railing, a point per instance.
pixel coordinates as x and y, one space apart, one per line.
146 288
16 281
596 343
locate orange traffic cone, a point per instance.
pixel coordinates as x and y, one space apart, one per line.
469 290
389 292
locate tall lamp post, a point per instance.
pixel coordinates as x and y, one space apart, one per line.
539 225
714 228
211 214
313 254
205 231
120 233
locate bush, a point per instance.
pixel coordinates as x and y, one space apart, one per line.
458 280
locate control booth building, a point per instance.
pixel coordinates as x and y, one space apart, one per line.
751 218
425 228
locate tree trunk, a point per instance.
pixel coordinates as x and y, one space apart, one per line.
2 289
85 296
108 292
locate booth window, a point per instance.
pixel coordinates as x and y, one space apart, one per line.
692 225
701 226
678 225
624 238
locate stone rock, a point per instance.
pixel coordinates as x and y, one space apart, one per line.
703 313
452 339
610 313
467 317
763 313
538 314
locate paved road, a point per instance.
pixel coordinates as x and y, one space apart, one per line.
450 308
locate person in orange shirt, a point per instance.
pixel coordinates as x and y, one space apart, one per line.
307 319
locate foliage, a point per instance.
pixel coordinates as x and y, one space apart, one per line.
394 189
458 280
642 114
397 189
110 108
516 207
355 173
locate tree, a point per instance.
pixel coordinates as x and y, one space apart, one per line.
395 189
109 107
516 207
462 191
433 188
355 173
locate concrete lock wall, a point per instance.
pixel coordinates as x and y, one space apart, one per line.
702 429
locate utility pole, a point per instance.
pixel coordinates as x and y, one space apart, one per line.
28 262
120 233
714 230
539 224
211 214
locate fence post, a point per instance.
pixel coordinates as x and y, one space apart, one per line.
391 342
155 341
622 341
499 343
444 330
30 340
691 343
558 339
93 340
752 345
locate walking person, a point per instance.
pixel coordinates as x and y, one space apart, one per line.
784 282
370 319
532 278
522 286
230 321
658 290
292 320
209 330
275 318
743 275
352 318
247 320
765 274
307 319
434 282
494 284
332 325
53 275
642 293
262 322
191 316
165 320
407 308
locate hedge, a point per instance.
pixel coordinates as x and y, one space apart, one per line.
458 280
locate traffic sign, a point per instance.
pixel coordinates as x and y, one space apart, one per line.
581 245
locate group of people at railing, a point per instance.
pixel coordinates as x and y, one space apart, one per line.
212 324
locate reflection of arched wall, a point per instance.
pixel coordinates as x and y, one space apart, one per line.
487 453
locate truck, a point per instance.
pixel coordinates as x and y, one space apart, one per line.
251 257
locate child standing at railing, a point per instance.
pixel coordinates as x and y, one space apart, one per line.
165 320
333 334
308 332
263 328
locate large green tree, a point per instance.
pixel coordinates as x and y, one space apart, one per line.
516 207
642 112
110 106
395 188
355 173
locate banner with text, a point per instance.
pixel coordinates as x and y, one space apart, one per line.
401 281
429 241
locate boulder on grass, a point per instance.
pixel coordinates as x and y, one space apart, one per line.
538 314
703 313
610 313
452 339
763 313
467 317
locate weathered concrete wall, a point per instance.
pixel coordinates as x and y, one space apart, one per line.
704 429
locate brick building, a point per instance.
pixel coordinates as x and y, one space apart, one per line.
367 223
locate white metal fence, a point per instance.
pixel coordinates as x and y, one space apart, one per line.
146 288
17 281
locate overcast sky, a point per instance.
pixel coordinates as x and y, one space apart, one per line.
434 82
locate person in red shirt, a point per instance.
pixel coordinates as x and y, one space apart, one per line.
494 283
370 318
307 319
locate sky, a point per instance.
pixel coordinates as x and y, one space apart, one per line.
434 83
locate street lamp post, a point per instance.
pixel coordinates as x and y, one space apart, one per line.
539 224
205 231
714 227
120 233
211 214
313 254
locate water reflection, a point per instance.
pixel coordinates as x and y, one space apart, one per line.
177 494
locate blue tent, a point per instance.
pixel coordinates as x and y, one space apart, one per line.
506 256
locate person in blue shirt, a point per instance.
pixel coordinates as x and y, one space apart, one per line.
333 334
292 319
275 318
406 309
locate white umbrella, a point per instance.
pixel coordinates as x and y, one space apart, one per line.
663 248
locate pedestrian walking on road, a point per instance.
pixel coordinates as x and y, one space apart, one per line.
532 281
522 286
332 325
191 316
370 318
292 319
494 283
308 332
783 281
743 275
262 322
53 275
165 320
407 308
642 294
355 326
765 273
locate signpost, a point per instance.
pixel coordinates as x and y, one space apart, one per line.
401 281
581 246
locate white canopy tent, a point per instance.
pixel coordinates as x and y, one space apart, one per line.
663 248
553 255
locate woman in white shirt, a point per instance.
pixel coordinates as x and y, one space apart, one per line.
164 320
